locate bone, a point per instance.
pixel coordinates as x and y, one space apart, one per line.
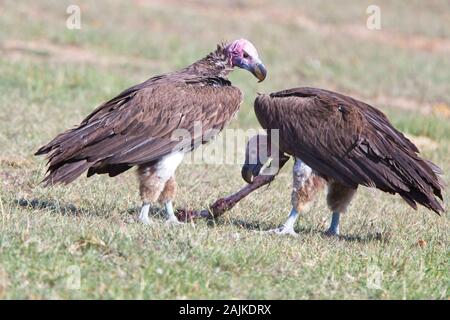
225 204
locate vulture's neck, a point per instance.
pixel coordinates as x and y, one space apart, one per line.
215 64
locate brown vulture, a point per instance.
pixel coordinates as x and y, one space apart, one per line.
140 126
342 142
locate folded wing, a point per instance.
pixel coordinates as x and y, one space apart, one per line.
350 142
141 125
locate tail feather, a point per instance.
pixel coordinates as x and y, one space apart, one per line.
427 200
66 173
425 184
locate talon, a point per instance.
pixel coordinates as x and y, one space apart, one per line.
333 230
145 220
283 230
173 222
143 215
332 233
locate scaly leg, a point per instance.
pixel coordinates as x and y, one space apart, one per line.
157 184
338 199
288 226
333 230
171 218
305 186
143 214
166 197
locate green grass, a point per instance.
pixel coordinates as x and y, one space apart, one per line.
89 227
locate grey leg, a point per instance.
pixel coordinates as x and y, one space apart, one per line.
288 226
171 218
143 215
334 227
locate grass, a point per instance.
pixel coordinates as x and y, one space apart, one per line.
52 77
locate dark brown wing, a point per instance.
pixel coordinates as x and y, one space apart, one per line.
349 141
139 126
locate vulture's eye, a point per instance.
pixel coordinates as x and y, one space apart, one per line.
246 55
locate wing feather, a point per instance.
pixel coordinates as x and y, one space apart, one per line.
349 141
138 126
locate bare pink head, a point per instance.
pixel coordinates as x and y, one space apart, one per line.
243 54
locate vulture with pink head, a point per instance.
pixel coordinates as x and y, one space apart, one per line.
140 127
343 143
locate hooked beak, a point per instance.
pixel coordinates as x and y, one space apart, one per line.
259 71
250 171
254 66
258 163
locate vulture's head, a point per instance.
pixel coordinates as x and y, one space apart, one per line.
242 54
257 156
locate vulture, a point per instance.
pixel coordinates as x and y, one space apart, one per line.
141 126
341 143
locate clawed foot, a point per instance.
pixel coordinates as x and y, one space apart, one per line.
143 214
145 220
283 230
333 230
173 222
332 233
